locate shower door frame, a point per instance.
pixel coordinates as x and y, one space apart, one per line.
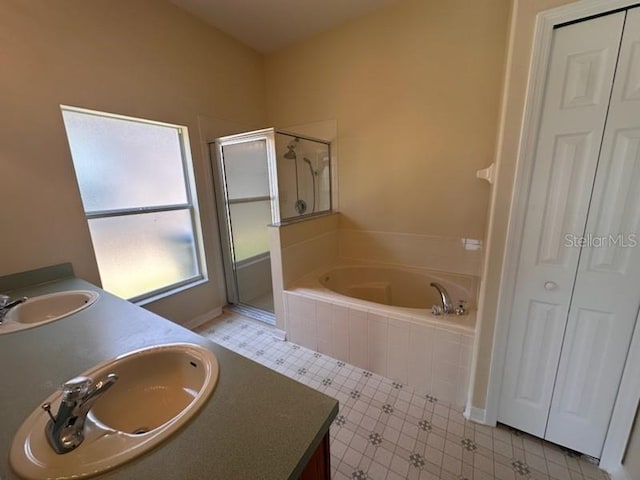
222 195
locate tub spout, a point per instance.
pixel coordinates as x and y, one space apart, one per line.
447 304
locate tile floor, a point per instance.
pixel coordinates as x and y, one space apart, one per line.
384 431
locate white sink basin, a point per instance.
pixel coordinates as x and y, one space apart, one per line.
158 390
44 309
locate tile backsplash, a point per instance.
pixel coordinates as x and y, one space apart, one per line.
444 254
315 243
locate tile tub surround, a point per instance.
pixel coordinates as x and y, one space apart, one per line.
430 354
388 431
300 248
317 242
446 254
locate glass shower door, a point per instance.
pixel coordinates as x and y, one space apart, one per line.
245 206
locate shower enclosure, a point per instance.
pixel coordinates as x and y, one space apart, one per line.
304 175
264 178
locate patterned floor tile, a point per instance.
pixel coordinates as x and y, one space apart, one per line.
387 431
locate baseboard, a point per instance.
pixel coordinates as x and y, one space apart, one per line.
201 319
477 415
618 474
279 334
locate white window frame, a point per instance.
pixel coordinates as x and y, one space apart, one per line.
191 204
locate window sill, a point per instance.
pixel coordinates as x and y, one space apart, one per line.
154 297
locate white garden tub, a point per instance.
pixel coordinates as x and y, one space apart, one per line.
379 318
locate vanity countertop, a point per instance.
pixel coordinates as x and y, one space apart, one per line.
258 424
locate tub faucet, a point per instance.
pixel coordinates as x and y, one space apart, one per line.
7 304
65 431
447 304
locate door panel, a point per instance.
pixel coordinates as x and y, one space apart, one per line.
619 210
586 341
578 88
584 79
607 290
632 82
568 181
536 342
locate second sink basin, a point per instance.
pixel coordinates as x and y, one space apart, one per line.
158 390
154 387
44 309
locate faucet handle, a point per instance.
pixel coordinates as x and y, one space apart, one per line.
47 408
4 299
109 380
461 309
76 387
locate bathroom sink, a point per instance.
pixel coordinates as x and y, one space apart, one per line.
44 309
158 390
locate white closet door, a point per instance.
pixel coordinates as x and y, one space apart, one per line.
607 290
581 71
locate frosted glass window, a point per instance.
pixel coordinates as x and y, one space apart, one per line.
121 163
145 252
136 189
248 225
246 170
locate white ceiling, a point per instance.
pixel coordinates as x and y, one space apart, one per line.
268 25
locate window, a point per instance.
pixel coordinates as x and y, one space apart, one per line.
136 183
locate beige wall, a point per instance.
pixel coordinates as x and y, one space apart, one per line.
519 55
144 58
415 91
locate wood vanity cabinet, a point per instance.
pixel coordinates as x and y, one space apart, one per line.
319 467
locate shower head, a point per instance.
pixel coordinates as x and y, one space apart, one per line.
291 154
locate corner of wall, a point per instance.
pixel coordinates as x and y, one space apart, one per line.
275 249
298 249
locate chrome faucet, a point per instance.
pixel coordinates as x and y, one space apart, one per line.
445 299
447 305
65 431
7 304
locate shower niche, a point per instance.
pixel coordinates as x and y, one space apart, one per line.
263 178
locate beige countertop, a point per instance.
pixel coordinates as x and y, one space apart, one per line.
258 424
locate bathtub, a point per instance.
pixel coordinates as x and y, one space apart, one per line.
379 319
391 286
